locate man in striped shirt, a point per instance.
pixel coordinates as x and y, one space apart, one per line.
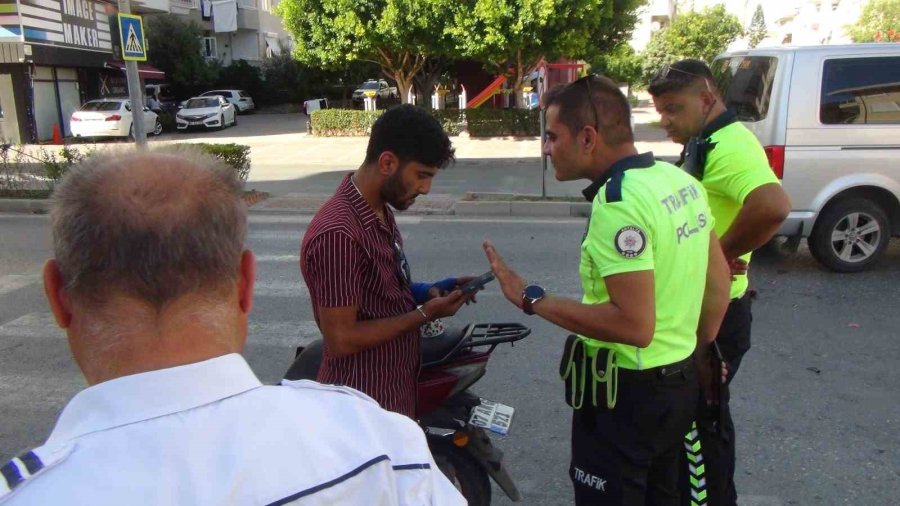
352 259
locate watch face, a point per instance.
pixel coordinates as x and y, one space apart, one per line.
534 292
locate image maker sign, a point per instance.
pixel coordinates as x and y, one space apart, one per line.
79 24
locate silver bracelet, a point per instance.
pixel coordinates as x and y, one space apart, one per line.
422 312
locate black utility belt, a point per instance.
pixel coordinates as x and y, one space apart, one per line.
577 370
599 375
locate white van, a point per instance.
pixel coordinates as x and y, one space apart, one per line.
829 119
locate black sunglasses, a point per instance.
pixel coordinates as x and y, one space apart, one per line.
667 70
590 97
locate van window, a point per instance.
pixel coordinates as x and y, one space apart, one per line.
746 83
861 91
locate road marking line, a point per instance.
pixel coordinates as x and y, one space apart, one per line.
13 282
32 325
278 258
287 334
281 288
279 333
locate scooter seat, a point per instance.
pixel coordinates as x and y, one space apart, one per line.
436 349
306 365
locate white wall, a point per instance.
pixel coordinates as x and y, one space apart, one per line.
244 46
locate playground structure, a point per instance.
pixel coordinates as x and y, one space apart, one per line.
549 75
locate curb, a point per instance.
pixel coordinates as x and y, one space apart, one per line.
42 206
523 209
29 206
253 197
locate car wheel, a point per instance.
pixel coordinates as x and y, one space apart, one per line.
237 110
850 235
234 120
221 122
131 132
157 128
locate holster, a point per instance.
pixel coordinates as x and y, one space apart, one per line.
580 371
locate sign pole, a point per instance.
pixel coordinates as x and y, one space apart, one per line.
543 156
135 93
541 89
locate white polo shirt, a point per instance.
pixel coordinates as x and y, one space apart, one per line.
210 433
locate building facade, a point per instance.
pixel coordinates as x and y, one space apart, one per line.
57 54
797 22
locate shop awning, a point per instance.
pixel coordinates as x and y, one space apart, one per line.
145 71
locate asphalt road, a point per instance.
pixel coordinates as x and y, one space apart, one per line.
815 402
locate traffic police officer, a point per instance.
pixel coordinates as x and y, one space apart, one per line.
153 286
655 289
748 205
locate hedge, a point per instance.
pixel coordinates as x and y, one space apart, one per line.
17 166
236 155
338 122
503 122
480 122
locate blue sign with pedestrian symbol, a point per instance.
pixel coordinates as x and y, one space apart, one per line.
131 36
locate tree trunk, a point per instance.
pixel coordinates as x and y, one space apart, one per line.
401 68
426 79
518 87
403 86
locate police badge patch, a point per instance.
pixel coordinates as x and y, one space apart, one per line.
630 242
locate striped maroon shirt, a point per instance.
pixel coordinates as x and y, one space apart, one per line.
348 259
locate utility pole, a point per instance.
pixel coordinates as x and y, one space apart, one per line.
135 93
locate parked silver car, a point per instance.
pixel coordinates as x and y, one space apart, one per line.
829 119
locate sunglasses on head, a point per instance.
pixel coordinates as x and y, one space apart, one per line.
667 70
670 72
590 97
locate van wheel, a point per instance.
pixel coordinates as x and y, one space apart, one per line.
850 235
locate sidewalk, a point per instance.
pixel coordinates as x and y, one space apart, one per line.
300 171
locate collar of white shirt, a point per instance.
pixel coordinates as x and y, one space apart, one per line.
143 396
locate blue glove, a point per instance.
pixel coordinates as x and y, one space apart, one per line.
420 290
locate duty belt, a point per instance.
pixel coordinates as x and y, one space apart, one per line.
575 366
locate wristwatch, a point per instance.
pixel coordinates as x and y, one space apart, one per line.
531 296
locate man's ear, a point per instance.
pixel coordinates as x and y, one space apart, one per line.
247 281
589 138
388 163
55 291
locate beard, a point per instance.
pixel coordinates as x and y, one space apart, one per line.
395 194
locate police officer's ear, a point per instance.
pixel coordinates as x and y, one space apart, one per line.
388 163
708 95
589 138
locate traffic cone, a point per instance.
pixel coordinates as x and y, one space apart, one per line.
57 137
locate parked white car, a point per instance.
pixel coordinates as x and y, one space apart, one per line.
208 112
110 117
829 119
239 98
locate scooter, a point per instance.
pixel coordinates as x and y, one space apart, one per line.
455 420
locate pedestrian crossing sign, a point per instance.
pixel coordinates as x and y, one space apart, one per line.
131 36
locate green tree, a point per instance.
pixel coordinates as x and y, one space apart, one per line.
621 64
509 36
757 31
398 35
701 35
878 22
243 76
175 48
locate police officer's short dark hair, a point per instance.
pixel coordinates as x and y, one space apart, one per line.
413 135
679 76
593 100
